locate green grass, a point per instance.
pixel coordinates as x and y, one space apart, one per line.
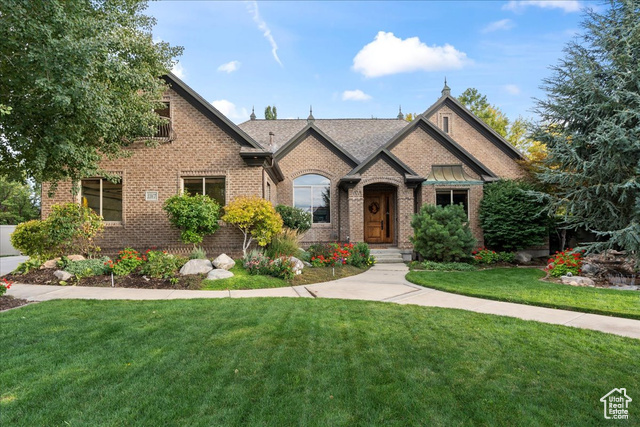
305 362
243 280
523 285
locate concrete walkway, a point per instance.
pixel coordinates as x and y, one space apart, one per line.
10 263
383 282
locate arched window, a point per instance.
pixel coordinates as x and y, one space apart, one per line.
312 193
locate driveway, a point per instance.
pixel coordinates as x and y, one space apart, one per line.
9 263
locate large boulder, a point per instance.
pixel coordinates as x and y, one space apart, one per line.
196 266
577 281
224 262
523 257
219 273
590 269
298 265
62 275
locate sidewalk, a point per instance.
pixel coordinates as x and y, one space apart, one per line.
383 282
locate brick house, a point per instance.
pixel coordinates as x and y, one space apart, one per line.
362 179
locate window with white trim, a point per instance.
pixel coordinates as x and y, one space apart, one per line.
312 193
213 187
103 196
453 197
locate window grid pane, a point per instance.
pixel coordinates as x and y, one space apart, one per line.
312 193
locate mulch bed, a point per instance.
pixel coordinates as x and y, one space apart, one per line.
46 277
7 302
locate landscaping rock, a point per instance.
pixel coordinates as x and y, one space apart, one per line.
590 269
306 264
298 265
224 262
523 257
62 275
577 281
219 273
196 266
53 263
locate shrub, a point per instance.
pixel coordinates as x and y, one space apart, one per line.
561 263
4 285
256 262
72 228
32 238
285 243
361 255
281 268
294 218
198 253
447 266
127 262
331 255
160 265
255 217
442 233
28 265
195 216
88 267
511 218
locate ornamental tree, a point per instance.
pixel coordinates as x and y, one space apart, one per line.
255 217
591 127
511 217
80 80
196 216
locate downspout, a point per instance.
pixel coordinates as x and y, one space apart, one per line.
339 218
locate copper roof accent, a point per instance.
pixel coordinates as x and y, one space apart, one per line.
448 173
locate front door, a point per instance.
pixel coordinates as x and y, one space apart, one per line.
378 218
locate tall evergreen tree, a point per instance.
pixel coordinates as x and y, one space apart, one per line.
591 127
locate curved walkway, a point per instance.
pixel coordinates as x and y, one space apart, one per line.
383 282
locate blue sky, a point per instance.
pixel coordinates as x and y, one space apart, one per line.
364 59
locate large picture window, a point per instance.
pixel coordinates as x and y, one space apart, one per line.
312 193
209 186
453 197
104 197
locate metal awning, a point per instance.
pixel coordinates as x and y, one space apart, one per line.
449 173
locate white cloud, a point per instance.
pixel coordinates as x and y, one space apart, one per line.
519 6
355 95
230 110
388 54
252 6
512 89
229 67
503 24
179 71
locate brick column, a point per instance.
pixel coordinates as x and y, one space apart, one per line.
356 219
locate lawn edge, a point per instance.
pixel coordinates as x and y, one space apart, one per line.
526 302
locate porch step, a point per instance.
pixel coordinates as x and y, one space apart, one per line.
387 256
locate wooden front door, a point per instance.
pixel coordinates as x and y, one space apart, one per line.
378 218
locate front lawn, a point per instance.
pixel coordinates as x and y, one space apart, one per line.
523 285
243 280
285 362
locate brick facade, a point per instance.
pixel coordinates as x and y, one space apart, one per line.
203 147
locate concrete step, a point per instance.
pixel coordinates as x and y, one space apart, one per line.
392 251
388 259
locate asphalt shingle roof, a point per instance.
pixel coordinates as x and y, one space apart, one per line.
360 137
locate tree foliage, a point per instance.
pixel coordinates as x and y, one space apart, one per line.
80 79
255 217
590 123
270 113
442 233
490 114
511 217
196 216
18 202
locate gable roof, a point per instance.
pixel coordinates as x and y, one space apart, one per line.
443 138
312 129
208 110
359 137
479 125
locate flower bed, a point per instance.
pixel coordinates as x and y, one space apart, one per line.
562 263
